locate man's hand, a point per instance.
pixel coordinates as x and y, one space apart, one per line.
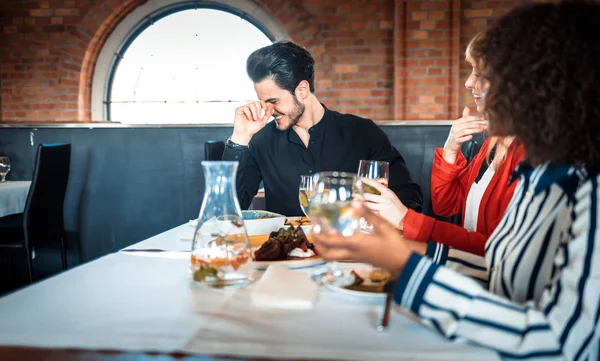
249 119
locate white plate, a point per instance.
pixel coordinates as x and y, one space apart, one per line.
291 264
363 272
256 226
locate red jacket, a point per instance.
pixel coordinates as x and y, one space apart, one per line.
450 184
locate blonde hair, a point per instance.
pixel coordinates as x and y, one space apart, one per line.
473 56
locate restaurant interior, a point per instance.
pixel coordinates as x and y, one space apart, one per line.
108 111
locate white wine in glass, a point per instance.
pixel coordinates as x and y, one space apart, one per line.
331 210
378 171
304 192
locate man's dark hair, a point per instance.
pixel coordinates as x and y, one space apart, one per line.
284 62
542 61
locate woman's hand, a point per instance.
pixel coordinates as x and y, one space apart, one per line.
462 131
384 247
386 205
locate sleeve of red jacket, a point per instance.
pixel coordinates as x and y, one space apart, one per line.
422 228
448 193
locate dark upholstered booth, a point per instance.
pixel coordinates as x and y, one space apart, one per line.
130 183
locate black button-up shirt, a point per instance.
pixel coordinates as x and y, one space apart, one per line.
337 143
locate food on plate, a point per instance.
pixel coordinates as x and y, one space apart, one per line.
373 282
285 244
379 275
302 221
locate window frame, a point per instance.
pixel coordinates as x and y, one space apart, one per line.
145 16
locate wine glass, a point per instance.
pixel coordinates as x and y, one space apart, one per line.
306 182
4 167
377 170
331 210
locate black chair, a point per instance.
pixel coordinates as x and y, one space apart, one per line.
41 224
213 149
472 149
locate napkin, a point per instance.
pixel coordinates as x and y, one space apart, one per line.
281 288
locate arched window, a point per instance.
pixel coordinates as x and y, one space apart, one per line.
184 63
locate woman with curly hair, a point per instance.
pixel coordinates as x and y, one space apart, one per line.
542 70
479 191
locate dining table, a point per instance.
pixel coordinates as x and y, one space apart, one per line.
13 195
140 303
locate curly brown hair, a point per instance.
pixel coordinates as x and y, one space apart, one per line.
542 61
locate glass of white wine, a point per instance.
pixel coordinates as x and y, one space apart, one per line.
377 170
306 183
4 167
331 210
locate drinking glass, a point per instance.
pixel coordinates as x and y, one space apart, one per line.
4 167
378 171
331 210
306 182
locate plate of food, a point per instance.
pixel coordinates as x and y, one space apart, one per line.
303 222
367 283
286 247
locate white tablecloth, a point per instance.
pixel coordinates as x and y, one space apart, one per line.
13 195
146 302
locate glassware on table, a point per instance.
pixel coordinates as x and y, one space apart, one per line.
221 253
306 183
331 210
377 170
4 167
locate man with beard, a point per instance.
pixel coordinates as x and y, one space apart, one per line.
304 137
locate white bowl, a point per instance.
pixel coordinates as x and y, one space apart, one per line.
262 222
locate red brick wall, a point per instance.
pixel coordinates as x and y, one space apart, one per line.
381 59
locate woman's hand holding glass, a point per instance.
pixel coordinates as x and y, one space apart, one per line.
384 247
386 204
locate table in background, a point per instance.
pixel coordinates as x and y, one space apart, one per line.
13 195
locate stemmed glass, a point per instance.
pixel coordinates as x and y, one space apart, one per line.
4 167
377 170
306 182
331 210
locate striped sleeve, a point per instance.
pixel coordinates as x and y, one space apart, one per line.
462 262
561 325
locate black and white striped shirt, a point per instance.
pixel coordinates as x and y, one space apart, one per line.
466 263
543 260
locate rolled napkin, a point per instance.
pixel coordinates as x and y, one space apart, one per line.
186 237
280 287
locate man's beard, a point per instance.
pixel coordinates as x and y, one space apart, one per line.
295 115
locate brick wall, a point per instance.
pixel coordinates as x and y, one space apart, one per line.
381 59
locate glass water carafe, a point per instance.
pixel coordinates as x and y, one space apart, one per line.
221 253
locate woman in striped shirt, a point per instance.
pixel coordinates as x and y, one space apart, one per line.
542 74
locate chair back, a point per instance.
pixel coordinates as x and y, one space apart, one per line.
213 150
43 215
